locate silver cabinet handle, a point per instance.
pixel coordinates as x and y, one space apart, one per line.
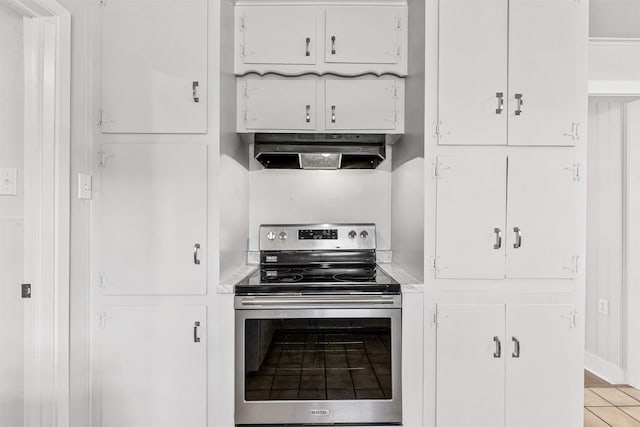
333 45
307 51
333 114
518 242
308 107
519 103
194 89
516 347
196 338
196 249
498 353
500 97
498 243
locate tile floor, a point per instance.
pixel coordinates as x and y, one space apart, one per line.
610 405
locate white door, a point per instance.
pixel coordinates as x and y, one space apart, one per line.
153 218
544 367
545 37
471 355
278 35
153 369
544 215
472 76
369 104
154 66
363 35
470 217
279 104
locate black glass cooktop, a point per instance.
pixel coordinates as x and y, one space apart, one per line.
318 279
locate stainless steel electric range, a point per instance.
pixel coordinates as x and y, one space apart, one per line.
318 330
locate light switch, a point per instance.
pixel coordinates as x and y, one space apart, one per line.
84 186
8 181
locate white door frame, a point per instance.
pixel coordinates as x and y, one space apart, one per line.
47 53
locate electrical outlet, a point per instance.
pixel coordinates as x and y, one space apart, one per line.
603 306
84 186
8 181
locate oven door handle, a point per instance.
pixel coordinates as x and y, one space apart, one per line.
310 301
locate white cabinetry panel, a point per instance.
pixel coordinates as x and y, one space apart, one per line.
153 212
153 53
544 383
470 370
361 104
278 34
544 41
543 203
471 194
363 35
472 77
280 104
152 372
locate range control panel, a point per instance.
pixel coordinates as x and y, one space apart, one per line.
317 237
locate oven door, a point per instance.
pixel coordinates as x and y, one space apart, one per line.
318 360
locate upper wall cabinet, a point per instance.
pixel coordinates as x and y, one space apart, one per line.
511 64
347 40
154 66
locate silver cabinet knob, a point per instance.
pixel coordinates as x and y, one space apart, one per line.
271 235
283 235
364 234
352 234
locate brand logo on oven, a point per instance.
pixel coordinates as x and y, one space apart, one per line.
320 412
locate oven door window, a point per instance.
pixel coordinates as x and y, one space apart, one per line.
317 359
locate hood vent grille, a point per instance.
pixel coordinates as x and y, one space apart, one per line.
319 151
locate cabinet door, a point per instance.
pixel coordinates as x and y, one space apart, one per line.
278 35
545 38
153 213
361 104
544 215
154 66
472 77
363 35
544 383
470 365
152 370
470 217
282 104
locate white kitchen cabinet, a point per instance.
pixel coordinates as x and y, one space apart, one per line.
153 219
278 34
317 104
361 104
363 35
542 382
535 235
347 40
472 75
543 205
470 217
532 45
279 104
152 366
470 365
513 366
154 66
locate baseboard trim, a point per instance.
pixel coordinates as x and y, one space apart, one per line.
604 369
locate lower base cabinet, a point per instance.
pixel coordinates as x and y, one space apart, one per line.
153 368
508 365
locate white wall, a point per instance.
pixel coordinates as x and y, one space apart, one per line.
279 196
604 333
614 18
11 217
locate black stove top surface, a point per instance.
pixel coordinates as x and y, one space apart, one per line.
318 279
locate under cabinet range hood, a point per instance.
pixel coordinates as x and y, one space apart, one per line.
319 151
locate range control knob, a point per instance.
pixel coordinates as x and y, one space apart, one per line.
364 234
271 235
352 234
283 235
